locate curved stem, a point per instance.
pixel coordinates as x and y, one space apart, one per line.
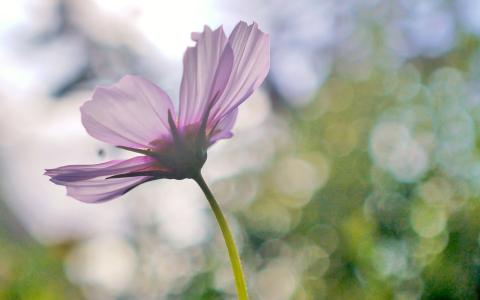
227 235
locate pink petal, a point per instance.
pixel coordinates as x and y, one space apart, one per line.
132 113
97 190
251 51
223 129
89 183
206 69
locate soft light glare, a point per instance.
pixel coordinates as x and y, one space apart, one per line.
105 262
166 24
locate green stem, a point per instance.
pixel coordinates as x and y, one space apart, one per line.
227 235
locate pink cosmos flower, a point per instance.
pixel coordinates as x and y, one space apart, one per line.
219 73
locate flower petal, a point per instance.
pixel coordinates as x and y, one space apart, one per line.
130 113
206 69
101 190
223 129
90 183
251 51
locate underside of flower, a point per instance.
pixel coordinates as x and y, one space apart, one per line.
219 73
179 156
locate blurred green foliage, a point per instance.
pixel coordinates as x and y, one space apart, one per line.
375 233
30 271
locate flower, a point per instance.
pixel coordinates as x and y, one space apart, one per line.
219 73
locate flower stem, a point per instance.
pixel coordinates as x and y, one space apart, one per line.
227 235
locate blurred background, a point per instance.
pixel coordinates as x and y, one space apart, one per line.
354 172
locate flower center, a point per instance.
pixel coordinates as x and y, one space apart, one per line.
183 153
